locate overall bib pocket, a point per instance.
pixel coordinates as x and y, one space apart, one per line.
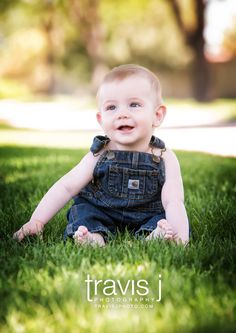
132 184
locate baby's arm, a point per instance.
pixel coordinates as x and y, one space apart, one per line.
173 198
58 195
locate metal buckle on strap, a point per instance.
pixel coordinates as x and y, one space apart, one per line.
110 155
157 158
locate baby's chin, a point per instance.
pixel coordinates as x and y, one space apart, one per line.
125 145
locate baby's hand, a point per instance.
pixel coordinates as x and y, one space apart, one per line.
30 228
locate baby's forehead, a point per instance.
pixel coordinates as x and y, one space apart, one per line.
126 79
130 84
140 82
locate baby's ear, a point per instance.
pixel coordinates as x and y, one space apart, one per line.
99 117
160 113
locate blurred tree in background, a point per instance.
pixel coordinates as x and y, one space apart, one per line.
143 31
31 42
190 19
86 17
53 45
230 40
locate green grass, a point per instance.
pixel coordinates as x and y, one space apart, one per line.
42 282
13 89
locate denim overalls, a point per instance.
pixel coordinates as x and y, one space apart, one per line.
125 192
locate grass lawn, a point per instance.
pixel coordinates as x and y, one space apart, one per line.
42 282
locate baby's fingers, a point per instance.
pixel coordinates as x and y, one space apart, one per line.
28 229
19 235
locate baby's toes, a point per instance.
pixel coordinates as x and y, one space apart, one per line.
161 223
168 234
82 231
166 228
164 225
81 234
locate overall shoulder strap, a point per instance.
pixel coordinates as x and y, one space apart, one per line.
99 142
157 143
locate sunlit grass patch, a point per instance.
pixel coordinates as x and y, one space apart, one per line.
43 281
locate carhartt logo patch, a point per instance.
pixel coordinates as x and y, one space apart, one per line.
133 184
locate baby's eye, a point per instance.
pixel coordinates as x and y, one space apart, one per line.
110 107
135 105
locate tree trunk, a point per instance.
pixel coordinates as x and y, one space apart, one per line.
49 58
200 72
86 16
195 40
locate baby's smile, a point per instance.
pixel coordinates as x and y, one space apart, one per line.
125 128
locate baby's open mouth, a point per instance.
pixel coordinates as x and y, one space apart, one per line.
125 128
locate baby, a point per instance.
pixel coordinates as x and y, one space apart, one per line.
128 180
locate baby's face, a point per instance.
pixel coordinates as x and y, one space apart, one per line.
128 112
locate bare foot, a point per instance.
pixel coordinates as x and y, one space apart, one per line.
83 236
163 231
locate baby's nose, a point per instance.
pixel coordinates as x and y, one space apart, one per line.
122 116
123 113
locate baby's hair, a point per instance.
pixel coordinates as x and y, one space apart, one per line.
124 71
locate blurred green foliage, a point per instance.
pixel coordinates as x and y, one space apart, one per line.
143 31
44 42
131 31
230 40
12 89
